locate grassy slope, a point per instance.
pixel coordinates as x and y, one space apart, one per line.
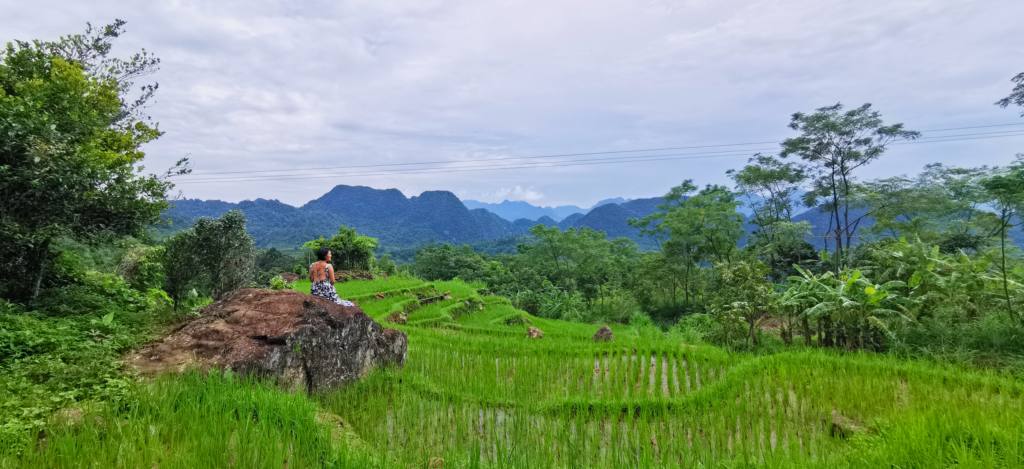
476 392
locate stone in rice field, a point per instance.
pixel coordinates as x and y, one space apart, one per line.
604 334
534 333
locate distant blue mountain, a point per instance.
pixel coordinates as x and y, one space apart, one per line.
513 210
746 201
438 216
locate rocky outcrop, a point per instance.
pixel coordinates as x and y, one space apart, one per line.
299 340
604 334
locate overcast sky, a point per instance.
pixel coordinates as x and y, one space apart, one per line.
262 85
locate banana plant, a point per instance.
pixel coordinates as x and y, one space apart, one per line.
932 277
790 303
855 303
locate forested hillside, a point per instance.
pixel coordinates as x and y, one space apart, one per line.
401 223
397 221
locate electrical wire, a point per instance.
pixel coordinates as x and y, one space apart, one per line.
278 171
563 163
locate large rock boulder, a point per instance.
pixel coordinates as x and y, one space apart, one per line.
302 341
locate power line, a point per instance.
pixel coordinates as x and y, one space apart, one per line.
554 164
455 170
539 163
498 159
957 139
969 135
546 164
966 128
583 162
278 171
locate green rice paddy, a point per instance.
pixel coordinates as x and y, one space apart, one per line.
475 392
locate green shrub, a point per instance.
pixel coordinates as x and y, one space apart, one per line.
277 283
65 349
142 267
213 257
643 327
695 328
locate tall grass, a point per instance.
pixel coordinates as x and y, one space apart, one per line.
476 392
189 422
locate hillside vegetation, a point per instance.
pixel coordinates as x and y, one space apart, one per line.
879 328
476 392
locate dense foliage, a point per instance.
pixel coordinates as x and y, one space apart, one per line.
70 156
212 257
937 257
350 251
922 266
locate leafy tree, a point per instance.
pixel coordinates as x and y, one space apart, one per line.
769 186
942 205
350 250
445 262
690 230
385 265
773 183
1006 194
742 291
215 256
680 256
650 225
709 223
71 153
576 260
274 261
1016 96
834 144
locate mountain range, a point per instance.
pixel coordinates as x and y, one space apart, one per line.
393 218
433 216
513 210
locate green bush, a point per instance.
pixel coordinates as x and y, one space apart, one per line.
277 283
643 327
64 349
212 257
142 267
695 328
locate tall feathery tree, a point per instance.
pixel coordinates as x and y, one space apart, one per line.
835 144
1016 96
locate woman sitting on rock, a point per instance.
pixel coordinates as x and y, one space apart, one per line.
321 273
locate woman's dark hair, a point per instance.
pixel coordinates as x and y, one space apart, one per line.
321 253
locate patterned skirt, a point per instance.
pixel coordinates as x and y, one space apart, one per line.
325 290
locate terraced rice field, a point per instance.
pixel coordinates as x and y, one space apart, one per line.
475 392
475 389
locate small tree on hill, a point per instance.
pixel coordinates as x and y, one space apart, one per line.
215 256
349 250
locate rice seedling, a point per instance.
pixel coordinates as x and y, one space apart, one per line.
191 421
476 392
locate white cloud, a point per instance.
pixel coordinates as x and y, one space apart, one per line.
272 85
516 193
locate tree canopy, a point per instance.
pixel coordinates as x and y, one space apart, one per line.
70 159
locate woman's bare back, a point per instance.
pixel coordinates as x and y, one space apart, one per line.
319 271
